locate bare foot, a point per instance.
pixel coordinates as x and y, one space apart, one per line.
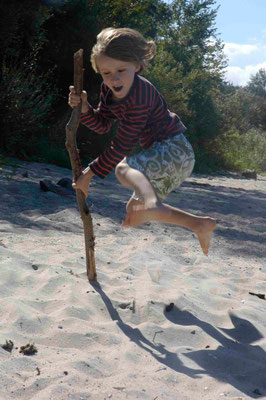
204 233
202 226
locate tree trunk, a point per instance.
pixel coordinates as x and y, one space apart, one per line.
71 146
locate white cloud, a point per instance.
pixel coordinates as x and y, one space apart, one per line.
233 50
244 60
240 76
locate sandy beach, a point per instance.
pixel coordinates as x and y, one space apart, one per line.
162 322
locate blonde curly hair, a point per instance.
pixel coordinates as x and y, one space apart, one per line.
123 44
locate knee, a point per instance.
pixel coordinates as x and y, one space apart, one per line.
121 169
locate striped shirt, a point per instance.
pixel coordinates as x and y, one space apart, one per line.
143 119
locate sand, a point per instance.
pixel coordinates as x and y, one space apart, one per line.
163 322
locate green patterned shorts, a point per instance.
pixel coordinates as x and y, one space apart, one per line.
166 164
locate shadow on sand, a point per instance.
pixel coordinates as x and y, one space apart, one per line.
233 362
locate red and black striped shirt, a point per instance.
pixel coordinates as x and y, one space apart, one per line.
143 118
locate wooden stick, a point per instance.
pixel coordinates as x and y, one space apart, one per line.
71 145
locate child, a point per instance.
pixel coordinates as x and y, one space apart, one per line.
167 158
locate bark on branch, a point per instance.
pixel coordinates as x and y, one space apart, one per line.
71 145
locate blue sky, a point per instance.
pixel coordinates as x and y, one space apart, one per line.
242 27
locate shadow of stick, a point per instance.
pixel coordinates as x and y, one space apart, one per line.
159 352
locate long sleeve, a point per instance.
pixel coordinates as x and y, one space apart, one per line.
126 139
99 120
143 118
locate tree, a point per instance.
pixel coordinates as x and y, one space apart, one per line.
191 36
39 40
147 16
257 84
195 53
27 98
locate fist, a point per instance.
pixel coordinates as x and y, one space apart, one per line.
74 99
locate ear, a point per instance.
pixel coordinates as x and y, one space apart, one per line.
138 68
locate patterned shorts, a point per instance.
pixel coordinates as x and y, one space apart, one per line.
166 164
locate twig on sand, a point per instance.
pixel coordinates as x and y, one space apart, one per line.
156 333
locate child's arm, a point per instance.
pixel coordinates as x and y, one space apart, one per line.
127 137
100 120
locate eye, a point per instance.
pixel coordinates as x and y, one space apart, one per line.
121 70
106 73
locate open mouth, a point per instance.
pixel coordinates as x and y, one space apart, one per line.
118 88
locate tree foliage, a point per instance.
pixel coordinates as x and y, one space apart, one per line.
195 58
39 37
257 84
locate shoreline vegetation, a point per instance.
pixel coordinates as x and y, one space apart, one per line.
226 124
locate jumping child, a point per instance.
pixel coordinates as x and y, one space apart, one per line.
166 158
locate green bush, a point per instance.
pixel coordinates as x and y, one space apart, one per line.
4 160
242 151
48 152
26 103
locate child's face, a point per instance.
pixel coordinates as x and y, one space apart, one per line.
117 75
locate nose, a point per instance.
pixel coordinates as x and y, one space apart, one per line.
115 77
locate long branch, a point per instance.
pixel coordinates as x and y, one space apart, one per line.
71 145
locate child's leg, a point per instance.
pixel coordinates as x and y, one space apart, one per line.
202 226
137 181
154 210
132 203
